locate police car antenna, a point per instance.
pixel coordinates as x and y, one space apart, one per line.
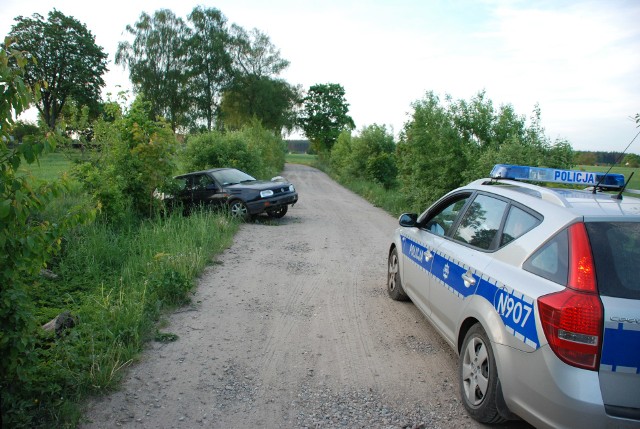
617 161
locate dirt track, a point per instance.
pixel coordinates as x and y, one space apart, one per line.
292 327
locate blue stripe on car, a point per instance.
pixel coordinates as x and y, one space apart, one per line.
515 309
621 348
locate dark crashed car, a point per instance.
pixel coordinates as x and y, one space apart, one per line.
241 194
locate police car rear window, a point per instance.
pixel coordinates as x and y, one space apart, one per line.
616 252
551 261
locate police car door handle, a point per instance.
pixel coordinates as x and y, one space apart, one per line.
468 279
427 256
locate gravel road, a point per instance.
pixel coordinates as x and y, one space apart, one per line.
291 327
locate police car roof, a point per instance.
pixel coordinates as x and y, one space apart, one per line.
547 200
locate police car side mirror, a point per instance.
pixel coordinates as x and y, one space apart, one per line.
409 220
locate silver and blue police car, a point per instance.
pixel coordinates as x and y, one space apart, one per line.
537 289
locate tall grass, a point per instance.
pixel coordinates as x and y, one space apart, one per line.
117 281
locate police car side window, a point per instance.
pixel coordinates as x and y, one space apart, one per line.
481 222
518 223
445 216
551 261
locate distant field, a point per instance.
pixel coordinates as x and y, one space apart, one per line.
300 158
50 168
626 171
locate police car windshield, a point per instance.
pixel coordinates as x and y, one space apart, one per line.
616 252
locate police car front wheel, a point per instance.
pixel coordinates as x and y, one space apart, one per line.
479 377
394 283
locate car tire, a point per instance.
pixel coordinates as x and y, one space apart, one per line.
278 212
238 209
394 283
478 377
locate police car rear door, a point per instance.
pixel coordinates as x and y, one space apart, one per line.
616 251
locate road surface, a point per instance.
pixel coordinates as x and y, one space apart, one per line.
291 327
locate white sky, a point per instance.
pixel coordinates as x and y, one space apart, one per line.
579 60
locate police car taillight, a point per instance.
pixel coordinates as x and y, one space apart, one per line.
572 319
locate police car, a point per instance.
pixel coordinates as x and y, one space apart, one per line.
537 289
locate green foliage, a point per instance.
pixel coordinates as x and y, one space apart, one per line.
370 155
137 157
209 62
145 268
28 240
631 160
253 149
446 145
207 73
65 56
157 62
325 115
271 101
254 54
430 153
23 131
585 158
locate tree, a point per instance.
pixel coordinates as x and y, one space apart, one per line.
431 153
255 91
271 101
158 64
209 62
325 116
254 54
631 160
65 57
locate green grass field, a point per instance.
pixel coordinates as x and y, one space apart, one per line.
626 171
50 167
301 158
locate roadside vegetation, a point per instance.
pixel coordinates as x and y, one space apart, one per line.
83 239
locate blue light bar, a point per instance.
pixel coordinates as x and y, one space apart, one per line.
553 175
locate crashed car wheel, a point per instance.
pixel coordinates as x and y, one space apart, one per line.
238 209
277 213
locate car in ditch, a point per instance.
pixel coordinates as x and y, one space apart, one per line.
234 190
536 289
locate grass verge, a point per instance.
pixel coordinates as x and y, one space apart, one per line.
117 282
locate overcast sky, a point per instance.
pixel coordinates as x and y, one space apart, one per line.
578 60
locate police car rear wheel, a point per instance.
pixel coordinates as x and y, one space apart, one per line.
394 284
479 377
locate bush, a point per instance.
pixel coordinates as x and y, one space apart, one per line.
136 159
369 155
253 149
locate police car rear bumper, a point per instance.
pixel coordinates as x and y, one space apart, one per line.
548 393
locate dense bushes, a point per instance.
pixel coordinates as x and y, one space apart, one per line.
446 145
443 146
136 157
253 149
370 155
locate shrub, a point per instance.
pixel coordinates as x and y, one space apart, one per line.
253 149
136 159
